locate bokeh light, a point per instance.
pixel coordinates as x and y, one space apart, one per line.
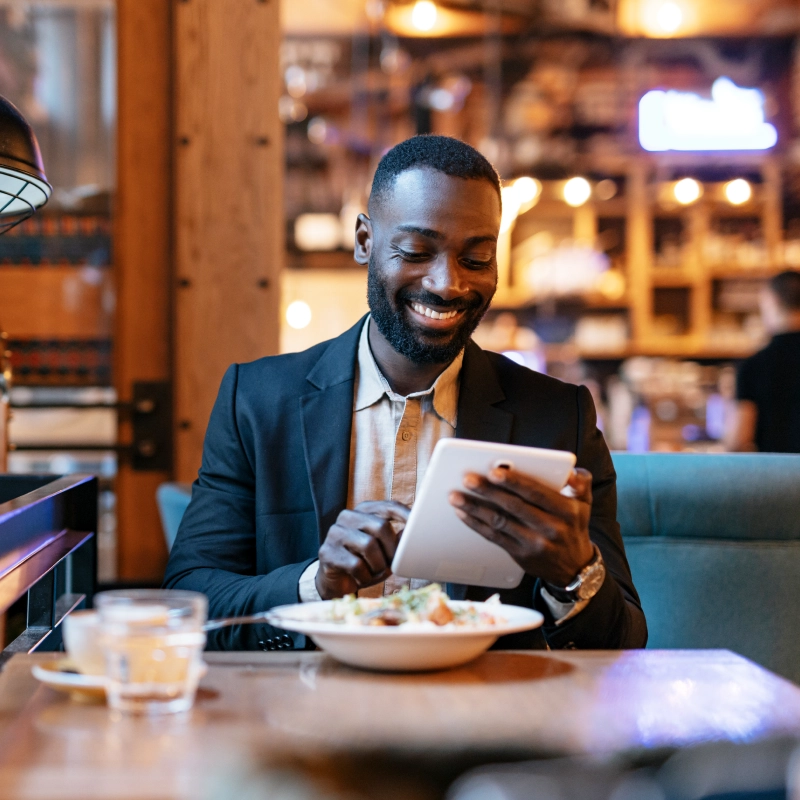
424 14
577 191
687 191
298 315
738 191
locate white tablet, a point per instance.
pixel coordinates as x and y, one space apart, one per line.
436 545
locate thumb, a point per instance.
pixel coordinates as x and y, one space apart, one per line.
579 485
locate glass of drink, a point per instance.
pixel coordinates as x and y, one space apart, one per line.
153 643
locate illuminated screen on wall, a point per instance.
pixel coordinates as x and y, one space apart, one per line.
733 119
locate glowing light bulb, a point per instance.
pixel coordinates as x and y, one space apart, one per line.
738 192
669 17
526 190
423 15
298 315
687 191
518 197
577 191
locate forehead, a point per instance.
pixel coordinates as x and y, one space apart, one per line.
429 198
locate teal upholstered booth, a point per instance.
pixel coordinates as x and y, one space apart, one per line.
172 499
714 547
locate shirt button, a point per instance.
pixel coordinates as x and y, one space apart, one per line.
407 435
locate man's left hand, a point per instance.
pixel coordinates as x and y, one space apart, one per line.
544 531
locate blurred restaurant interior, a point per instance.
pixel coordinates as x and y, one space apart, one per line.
208 161
626 263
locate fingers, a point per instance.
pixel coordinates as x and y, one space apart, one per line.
513 517
360 546
580 484
385 509
532 491
340 555
506 533
378 528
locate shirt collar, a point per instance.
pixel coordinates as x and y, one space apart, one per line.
372 385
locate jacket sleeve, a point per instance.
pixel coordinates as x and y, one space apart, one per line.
215 549
613 619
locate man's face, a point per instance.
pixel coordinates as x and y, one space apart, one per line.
431 248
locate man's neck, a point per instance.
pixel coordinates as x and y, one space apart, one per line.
404 376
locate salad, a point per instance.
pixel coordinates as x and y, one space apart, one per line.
426 606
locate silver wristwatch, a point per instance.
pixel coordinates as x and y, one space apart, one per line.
585 586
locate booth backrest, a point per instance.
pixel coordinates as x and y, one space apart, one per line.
172 499
714 547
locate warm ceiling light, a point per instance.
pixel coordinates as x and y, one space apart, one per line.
298 315
669 17
687 191
577 191
518 197
738 191
424 15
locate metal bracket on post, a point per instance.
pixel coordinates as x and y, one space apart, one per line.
151 420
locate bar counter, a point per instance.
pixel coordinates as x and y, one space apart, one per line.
278 706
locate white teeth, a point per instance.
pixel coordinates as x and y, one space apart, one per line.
429 312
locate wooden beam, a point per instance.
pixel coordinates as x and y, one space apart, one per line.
142 248
229 229
640 250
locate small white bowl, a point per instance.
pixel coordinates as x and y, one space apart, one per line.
403 648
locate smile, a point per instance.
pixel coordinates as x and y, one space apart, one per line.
429 312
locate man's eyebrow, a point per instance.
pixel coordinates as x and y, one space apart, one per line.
473 240
427 232
431 234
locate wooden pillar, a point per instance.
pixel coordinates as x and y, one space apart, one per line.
773 212
142 258
640 250
229 228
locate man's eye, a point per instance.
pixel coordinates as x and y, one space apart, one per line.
474 263
405 254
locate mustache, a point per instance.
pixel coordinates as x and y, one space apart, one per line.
430 299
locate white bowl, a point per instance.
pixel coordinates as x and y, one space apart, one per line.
403 648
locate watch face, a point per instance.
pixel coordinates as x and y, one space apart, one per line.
591 581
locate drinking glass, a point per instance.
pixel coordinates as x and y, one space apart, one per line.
153 642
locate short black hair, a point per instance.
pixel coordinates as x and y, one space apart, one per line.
786 287
443 153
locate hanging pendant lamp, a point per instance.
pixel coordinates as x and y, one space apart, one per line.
23 184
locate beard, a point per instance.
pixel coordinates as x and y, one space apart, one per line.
421 347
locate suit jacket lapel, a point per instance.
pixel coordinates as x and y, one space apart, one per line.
326 415
479 391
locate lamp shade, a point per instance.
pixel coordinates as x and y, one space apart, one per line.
23 184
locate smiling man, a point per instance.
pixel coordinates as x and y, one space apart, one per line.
312 460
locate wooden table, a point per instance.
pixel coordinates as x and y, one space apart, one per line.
528 704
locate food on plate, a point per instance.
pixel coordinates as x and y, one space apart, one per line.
428 606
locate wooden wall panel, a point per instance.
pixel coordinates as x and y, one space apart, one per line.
142 255
229 229
56 302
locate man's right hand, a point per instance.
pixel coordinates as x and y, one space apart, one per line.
359 548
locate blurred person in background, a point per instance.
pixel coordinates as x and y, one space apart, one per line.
767 415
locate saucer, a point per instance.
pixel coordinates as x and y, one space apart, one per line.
63 676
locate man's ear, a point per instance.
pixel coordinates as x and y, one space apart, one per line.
363 248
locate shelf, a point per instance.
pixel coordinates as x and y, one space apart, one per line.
672 277
748 274
679 347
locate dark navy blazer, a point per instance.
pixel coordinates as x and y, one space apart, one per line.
275 476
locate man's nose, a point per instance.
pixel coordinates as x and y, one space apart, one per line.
445 278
